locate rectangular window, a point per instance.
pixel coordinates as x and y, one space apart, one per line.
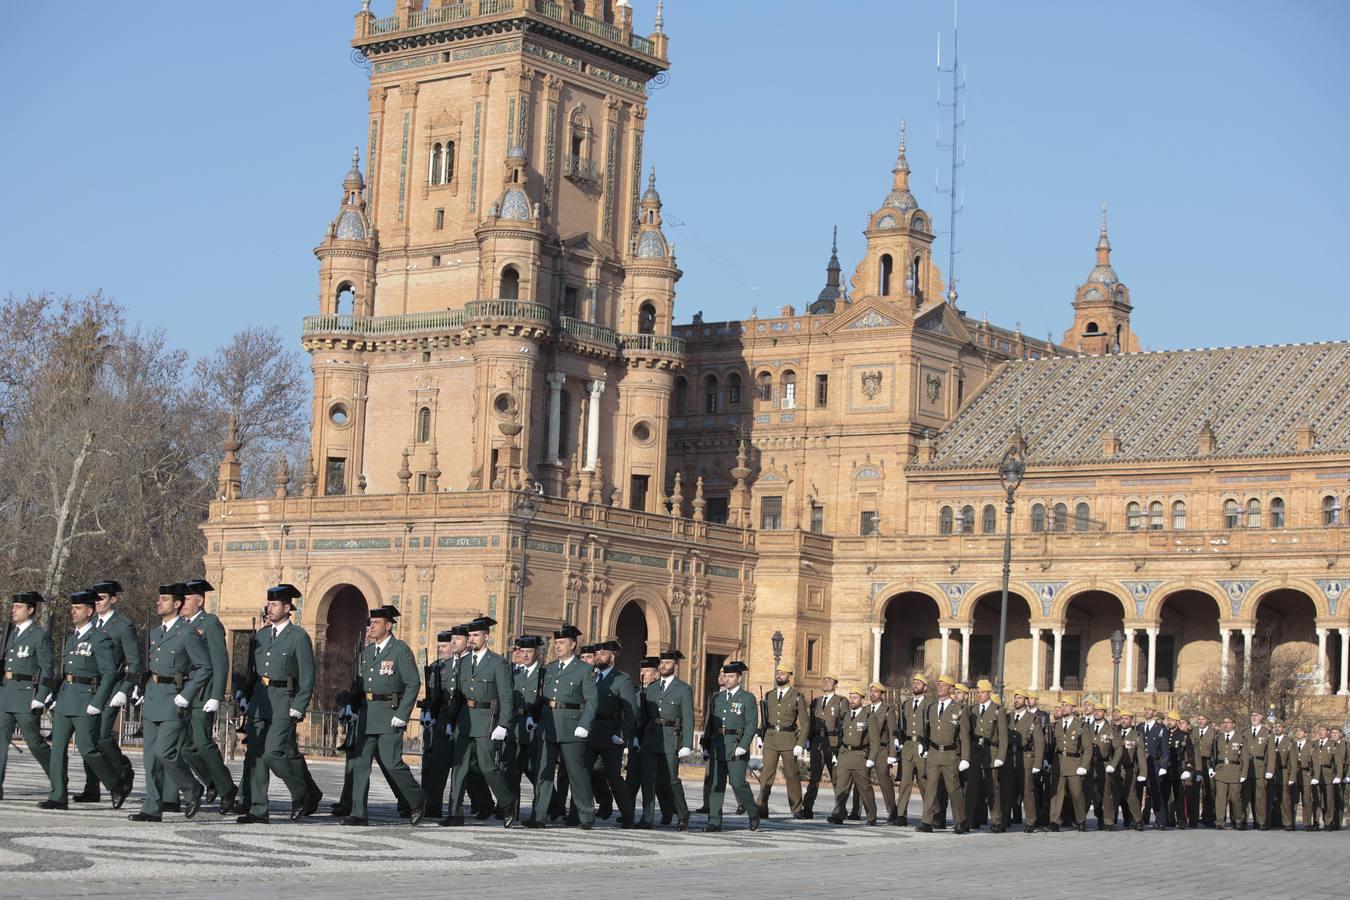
335 477
435 262
981 655
868 522
765 388
1071 663
817 519
822 390
421 482
714 402
770 513
637 492
811 654
440 219
734 394
570 302
789 395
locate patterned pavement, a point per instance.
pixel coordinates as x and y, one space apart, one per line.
97 852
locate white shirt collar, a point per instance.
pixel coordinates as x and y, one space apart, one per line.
529 670
169 624
280 626
601 673
19 629
85 630
379 648
563 663
666 680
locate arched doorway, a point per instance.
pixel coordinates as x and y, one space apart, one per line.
1085 656
1285 643
1188 641
910 642
984 640
631 631
343 631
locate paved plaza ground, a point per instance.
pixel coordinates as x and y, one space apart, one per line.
97 852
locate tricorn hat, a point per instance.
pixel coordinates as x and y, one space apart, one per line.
284 592
385 612
32 598
199 586
529 642
179 590
735 667
83 598
672 654
107 587
649 662
568 631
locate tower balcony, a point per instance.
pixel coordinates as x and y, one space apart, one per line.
588 338
516 318
655 351
440 328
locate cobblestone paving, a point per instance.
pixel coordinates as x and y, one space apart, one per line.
97 852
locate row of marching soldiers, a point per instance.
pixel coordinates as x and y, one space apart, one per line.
965 751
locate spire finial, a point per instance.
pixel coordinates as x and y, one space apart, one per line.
1103 218
651 179
834 241
660 16
902 137
356 159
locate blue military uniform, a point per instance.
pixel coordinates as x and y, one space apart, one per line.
28 671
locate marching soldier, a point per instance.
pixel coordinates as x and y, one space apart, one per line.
911 743
825 712
884 715
1336 809
200 750
989 740
523 746
28 673
729 729
859 744
1232 758
1280 744
568 707
647 669
1131 765
784 717
1155 746
436 757
615 719
1043 776
1299 777
1072 752
1202 738
1254 795
667 738
1324 770
127 650
1103 739
483 715
283 658
178 667
1180 765
90 675
1026 751
947 739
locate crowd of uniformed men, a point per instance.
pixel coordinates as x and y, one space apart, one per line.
591 742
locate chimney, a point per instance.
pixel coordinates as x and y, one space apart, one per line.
1208 442
1306 437
1111 444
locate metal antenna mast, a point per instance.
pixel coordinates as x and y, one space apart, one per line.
958 162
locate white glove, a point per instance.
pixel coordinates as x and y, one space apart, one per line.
1141 778
498 734
1081 770
1270 775
637 744
797 751
1242 779
180 701
449 731
296 714
923 754
1336 781
1211 773
683 752
1162 771
998 764
347 711
1186 776
759 743
581 732
118 700
962 766
1291 784
896 742
890 760
36 704
871 764
740 751
1314 781
94 710
530 724
396 722
1110 770
834 760
211 706
616 740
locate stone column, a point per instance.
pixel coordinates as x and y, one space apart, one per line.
1323 676
965 654
945 636
876 652
1128 686
1034 682
555 383
1152 685
596 388
1248 636
1223 658
1055 684
1345 663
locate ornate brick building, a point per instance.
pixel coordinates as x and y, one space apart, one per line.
497 318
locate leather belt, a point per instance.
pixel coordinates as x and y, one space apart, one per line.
268 681
558 704
671 722
478 704
981 742
942 747
370 696
779 728
80 679
730 732
851 747
1071 755
19 676
165 679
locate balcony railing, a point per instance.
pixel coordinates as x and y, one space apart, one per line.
589 331
508 309
442 14
579 169
442 320
653 343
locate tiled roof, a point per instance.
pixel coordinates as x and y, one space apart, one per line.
1156 403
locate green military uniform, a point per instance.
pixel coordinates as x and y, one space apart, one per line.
482 703
730 726
1072 751
1254 795
89 676
783 725
1203 741
283 658
989 745
179 666
635 756
388 688
668 716
202 752
824 742
1026 751
568 698
523 745
911 730
130 665
1232 759
948 741
859 743
29 669
615 719
438 748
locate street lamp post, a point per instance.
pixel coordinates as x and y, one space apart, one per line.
526 506
777 641
1117 648
1011 470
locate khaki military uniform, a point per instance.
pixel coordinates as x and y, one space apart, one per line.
1232 759
948 742
884 717
912 731
1203 741
825 713
1325 767
1072 751
1254 794
859 742
989 744
783 723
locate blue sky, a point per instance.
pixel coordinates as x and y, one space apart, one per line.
185 157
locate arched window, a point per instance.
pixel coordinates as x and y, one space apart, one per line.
884 286
945 520
647 318
1179 515
916 286
1331 511
1134 516
712 397
344 302
1060 522
1037 517
789 390
1231 515
765 383
448 163
967 520
424 425
1253 513
1277 513
1092 328
1082 517
1155 516
681 397
989 520
734 390
510 285
437 161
